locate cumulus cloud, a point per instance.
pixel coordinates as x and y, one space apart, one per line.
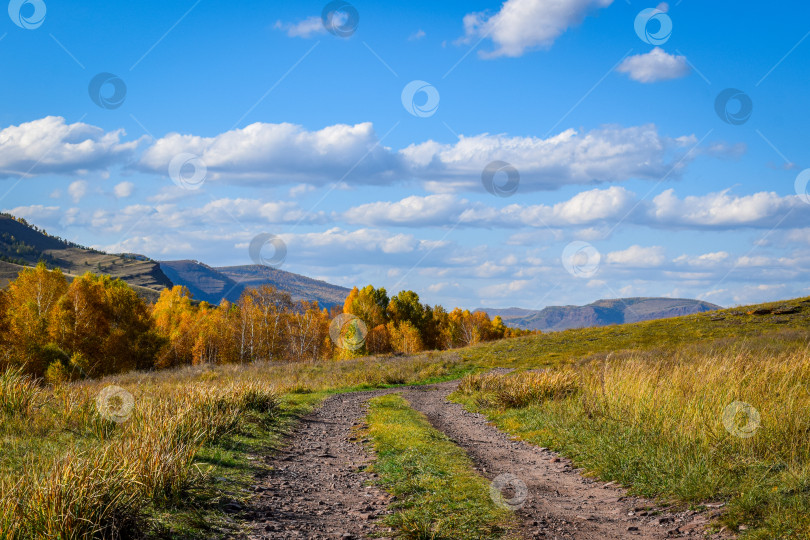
51 146
311 26
36 213
410 211
416 36
353 155
77 190
122 190
723 210
282 153
521 25
594 211
637 257
611 153
654 66
705 260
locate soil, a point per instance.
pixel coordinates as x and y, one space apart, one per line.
319 488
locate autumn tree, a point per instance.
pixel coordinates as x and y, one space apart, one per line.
29 301
263 313
307 332
175 318
217 334
104 326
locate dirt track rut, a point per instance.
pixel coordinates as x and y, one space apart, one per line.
318 487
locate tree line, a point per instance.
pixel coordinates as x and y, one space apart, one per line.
95 326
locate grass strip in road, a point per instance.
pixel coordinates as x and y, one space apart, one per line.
437 493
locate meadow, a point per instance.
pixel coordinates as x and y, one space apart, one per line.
167 453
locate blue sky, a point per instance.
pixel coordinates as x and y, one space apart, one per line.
630 182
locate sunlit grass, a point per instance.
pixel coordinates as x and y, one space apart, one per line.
723 423
636 403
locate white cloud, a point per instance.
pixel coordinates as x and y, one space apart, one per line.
527 24
307 28
607 154
123 190
411 211
282 153
353 155
37 214
502 290
51 146
705 260
77 190
416 36
638 257
300 189
722 210
654 66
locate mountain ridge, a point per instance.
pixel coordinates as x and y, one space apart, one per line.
600 313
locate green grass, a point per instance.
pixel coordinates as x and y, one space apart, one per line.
722 328
655 423
438 494
48 431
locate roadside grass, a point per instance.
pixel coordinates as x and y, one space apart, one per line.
723 423
437 493
228 468
180 463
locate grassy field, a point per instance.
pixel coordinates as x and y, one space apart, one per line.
641 403
726 423
437 492
163 454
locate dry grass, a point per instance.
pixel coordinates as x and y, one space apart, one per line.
67 471
523 388
19 394
729 424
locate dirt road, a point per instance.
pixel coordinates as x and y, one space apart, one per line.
319 487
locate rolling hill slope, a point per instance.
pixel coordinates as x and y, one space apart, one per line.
600 313
24 245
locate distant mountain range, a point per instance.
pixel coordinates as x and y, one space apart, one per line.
600 313
22 244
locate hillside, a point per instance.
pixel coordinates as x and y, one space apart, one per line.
24 245
204 283
213 284
600 313
300 287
